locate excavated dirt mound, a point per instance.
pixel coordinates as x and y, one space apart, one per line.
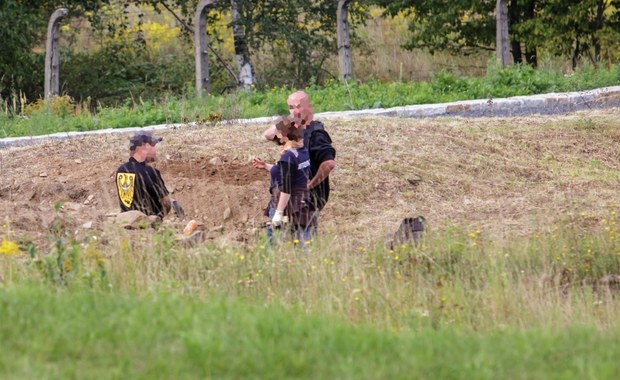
73 182
499 175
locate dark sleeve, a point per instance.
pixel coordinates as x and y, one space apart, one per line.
287 168
160 186
321 148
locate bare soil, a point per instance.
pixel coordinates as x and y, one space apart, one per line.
504 176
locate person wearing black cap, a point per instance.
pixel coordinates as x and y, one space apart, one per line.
140 186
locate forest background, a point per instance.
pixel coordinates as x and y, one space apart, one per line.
137 57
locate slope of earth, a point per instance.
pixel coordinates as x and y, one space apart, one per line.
500 175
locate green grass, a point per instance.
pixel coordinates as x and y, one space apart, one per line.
83 334
460 305
44 118
454 279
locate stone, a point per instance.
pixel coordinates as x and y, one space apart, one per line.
215 232
216 161
71 206
133 219
194 239
227 213
219 228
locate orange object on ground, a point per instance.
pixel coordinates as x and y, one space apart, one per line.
190 227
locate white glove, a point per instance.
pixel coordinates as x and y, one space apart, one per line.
276 221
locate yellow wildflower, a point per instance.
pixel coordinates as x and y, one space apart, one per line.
9 248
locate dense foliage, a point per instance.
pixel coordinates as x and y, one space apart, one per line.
295 39
573 29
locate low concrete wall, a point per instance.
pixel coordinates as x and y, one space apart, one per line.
546 104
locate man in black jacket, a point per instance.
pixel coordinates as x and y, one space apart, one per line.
317 141
139 185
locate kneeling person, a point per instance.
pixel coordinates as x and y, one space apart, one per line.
140 186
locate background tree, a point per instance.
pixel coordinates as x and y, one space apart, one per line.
565 28
242 52
22 51
300 35
457 26
576 28
293 38
525 33
501 39
23 27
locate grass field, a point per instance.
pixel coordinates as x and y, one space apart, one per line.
458 306
59 334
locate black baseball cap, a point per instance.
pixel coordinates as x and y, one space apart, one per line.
142 137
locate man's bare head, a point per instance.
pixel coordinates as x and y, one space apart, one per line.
300 108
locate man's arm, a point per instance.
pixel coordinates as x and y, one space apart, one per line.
321 150
323 172
270 133
161 191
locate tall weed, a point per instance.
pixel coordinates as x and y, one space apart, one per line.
454 277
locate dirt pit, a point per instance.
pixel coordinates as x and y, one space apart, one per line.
65 181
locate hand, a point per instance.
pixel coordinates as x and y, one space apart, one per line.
276 221
258 163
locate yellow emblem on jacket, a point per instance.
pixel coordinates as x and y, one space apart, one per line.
125 183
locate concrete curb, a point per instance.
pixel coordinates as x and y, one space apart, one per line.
545 104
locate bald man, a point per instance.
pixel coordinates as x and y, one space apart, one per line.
318 143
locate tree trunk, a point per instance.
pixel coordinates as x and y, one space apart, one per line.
242 53
531 55
576 52
517 54
52 55
200 48
514 19
599 25
501 36
344 43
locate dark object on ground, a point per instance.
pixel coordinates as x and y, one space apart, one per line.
178 210
609 284
409 231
